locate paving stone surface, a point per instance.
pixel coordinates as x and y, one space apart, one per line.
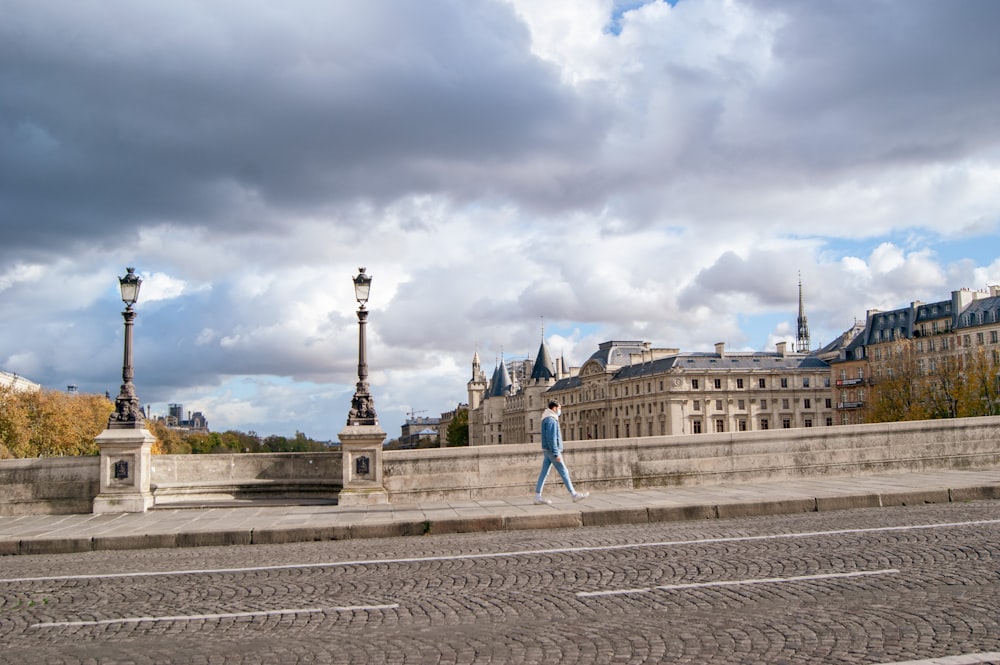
877 585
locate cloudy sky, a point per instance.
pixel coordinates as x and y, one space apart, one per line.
596 169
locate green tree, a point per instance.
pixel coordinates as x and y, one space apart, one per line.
458 429
241 442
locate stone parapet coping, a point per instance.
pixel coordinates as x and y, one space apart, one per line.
255 524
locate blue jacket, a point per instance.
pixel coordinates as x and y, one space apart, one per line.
551 435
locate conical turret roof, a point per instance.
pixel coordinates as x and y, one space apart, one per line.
500 383
544 368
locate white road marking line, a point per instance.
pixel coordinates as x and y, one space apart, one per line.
500 555
230 615
725 583
962 659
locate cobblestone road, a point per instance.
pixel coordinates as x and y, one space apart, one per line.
878 586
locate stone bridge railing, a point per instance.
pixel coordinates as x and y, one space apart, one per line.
698 459
62 485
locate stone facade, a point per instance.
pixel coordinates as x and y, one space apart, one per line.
921 339
505 411
631 389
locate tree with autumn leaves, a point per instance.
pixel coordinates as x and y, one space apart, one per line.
952 386
50 423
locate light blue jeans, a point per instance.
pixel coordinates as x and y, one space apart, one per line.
550 461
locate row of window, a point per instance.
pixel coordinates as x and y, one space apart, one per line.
981 318
697 427
936 327
932 345
931 365
764 423
741 384
741 404
783 382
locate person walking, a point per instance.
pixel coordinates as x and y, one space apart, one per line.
552 449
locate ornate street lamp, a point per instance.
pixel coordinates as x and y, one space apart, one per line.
128 412
362 406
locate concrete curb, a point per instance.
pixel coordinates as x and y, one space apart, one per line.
549 519
769 507
984 493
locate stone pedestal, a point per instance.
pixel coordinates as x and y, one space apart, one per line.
125 471
362 449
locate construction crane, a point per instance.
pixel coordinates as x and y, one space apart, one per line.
413 413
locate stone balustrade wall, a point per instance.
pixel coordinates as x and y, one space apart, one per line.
67 485
49 485
697 459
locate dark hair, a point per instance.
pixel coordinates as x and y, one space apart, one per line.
553 404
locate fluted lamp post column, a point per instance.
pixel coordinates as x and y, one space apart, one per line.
361 440
128 412
126 444
362 406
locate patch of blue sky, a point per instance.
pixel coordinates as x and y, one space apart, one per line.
622 7
833 249
758 329
982 250
571 330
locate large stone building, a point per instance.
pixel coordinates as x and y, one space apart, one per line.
505 411
631 389
920 339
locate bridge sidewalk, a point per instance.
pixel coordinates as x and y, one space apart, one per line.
261 524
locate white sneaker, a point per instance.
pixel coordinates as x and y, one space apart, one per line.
539 499
580 496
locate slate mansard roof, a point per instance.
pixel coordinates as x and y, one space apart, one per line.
979 312
617 353
622 353
713 362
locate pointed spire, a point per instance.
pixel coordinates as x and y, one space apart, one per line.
500 384
802 341
544 369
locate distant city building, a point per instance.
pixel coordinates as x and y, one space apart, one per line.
194 422
417 430
17 383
